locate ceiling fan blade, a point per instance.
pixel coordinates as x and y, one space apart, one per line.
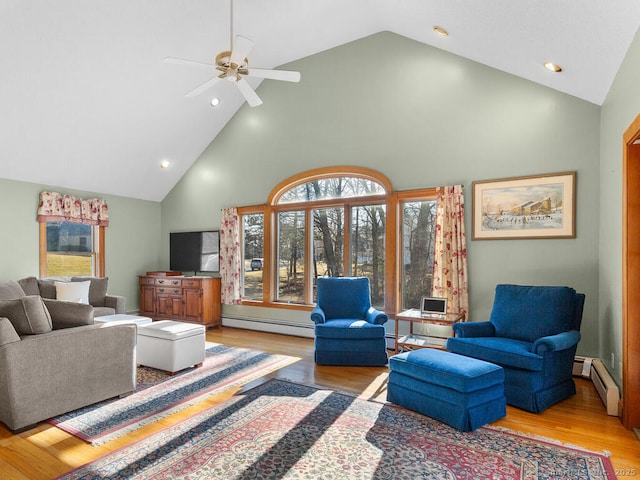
201 88
241 48
250 96
286 75
184 61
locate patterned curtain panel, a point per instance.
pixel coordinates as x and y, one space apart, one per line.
450 259
55 207
230 257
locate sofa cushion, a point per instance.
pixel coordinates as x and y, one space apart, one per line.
29 285
97 289
77 292
103 311
348 328
11 290
506 352
8 334
28 315
528 313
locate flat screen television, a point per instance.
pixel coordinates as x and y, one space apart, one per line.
194 251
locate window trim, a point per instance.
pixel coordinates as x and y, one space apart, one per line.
99 254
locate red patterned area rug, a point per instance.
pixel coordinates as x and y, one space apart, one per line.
286 430
159 394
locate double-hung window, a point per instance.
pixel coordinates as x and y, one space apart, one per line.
70 248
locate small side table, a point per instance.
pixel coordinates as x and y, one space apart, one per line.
412 341
123 317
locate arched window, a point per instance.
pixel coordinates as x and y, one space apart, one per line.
338 221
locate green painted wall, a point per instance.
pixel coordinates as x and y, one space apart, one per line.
620 108
132 238
424 118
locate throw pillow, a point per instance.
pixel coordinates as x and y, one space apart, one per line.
77 292
97 290
8 334
28 315
10 290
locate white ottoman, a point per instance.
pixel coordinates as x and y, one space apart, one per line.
122 317
171 346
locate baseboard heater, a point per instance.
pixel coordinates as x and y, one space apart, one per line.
606 387
594 369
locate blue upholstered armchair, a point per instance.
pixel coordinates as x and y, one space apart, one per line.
348 331
533 333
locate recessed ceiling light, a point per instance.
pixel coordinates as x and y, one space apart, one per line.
553 67
441 31
165 164
215 101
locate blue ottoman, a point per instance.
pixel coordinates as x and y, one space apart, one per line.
460 391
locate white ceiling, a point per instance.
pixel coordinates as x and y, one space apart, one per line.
86 102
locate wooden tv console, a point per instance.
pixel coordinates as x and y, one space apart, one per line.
176 297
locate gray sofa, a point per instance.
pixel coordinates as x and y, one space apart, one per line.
54 359
102 302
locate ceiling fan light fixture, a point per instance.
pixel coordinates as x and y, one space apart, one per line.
233 66
441 31
552 67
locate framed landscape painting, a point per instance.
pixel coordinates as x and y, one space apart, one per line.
540 206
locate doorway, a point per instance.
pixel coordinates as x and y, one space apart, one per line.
631 275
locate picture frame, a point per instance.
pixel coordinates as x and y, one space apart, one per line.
531 207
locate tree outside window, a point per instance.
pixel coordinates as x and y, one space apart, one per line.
253 256
335 222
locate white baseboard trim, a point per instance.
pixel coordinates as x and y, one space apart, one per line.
270 326
276 326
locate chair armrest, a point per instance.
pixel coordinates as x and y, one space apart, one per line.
68 314
117 302
474 329
317 315
376 317
7 332
554 343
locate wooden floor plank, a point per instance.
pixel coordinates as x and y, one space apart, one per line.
46 452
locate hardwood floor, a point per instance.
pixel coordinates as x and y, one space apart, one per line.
45 452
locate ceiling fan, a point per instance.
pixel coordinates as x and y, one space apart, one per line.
234 67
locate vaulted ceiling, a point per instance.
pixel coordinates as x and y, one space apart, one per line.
87 103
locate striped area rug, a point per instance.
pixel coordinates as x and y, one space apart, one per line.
158 394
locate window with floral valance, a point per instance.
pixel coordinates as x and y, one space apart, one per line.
55 207
71 235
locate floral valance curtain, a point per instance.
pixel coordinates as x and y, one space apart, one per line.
55 207
450 260
230 257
